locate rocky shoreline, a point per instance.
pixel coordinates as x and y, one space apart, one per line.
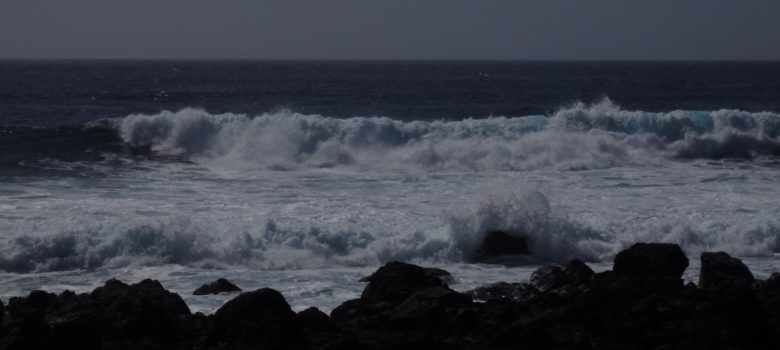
642 303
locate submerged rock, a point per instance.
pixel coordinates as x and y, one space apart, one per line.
651 259
721 270
221 285
498 244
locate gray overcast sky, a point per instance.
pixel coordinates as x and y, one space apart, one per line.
398 29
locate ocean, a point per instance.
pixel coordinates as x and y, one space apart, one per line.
305 176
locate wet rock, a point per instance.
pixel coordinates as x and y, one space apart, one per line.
651 259
721 270
551 277
498 243
220 285
258 319
518 292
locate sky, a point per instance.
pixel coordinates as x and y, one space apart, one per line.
391 29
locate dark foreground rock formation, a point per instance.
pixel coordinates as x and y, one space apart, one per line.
642 304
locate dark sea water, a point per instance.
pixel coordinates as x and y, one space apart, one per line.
312 173
49 93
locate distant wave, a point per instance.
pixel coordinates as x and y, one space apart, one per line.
578 137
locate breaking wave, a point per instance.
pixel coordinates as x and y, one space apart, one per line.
579 137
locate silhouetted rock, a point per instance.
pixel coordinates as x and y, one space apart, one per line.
497 244
114 316
651 259
396 281
429 308
642 306
314 320
221 285
721 270
442 274
258 319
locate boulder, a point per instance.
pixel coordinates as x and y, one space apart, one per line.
553 276
442 274
651 259
314 320
721 270
258 319
498 244
221 285
396 281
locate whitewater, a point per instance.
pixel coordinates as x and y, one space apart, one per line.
308 204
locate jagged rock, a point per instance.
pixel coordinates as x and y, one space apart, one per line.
396 281
518 292
550 277
221 285
721 270
258 319
651 259
498 243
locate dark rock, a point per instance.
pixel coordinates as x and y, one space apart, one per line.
221 285
518 292
115 315
721 270
314 320
551 277
428 309
259 319
442 274
651 259
498 243
396 281
2 312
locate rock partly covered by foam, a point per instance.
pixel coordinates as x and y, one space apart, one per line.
651 259
719 269
498 244
220 285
